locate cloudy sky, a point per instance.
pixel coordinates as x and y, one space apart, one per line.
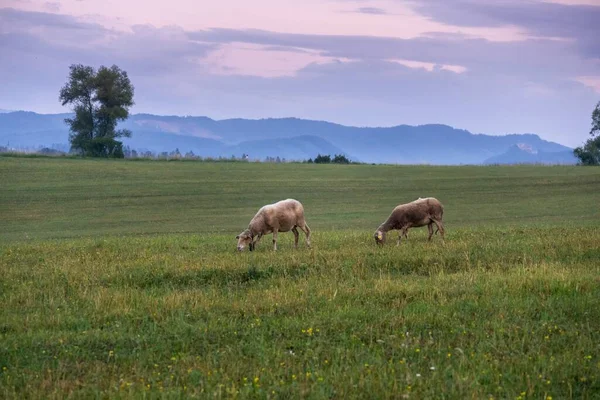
489 66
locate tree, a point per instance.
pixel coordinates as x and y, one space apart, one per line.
325 159
589 153
340 159
596 120
100 99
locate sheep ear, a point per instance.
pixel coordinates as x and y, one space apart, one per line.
237 237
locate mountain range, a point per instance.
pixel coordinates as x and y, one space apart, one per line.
296 139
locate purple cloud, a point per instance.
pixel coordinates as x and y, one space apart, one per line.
371 10
539 18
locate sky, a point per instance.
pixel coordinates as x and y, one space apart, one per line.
488 66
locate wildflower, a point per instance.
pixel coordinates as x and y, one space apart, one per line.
432 368
449 355
293 377
418 375
256 379
548 397
417 350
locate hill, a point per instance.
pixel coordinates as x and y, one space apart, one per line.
522 154
289 138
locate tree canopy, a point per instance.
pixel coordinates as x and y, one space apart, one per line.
100 99
589 153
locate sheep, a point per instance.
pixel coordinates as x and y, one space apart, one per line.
283 216
421 212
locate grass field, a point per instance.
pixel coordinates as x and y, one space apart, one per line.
120 279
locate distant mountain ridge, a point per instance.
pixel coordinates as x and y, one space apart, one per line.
521 154
290 138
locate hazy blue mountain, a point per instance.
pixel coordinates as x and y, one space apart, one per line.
158 142
289 138
294 148
518 154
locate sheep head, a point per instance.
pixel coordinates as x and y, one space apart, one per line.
245 239
379 237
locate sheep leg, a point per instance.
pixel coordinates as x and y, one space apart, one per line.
275 240
255 242
402 232
440 227
306 231
430 229
296 235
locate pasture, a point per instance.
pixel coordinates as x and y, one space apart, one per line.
120 279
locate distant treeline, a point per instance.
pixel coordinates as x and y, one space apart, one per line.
175 155
326 159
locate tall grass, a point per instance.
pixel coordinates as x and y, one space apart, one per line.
507 307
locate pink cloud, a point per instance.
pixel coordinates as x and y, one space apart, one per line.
259 60
286 16
458 69
592 82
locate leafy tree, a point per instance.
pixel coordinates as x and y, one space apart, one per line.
589 153
596 120
100 99
340 159
325 159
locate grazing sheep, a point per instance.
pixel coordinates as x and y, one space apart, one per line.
283 216
421 212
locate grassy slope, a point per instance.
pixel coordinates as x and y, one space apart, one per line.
508 307
52 198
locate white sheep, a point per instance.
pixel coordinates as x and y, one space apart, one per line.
283 216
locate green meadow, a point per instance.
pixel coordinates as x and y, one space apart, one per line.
120 279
